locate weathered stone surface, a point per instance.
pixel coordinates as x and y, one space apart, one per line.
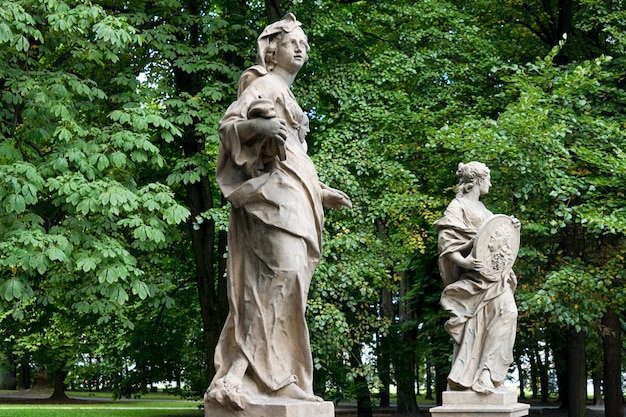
500 397
477 250
500 403
274 236
275 408
496 244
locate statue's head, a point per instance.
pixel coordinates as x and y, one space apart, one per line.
269 38
471 174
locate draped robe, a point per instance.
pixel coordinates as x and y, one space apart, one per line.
483 314
274 241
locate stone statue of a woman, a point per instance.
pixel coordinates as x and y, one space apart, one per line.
275 228
476 253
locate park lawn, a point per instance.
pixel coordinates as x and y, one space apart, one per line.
14 410
154 396
101 405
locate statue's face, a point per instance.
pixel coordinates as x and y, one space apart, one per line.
291 50
485 185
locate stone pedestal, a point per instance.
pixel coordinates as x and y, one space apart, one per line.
279 407
501 403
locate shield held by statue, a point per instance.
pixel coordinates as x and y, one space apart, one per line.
497 244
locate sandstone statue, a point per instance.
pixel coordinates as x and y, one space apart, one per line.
275 229
477 250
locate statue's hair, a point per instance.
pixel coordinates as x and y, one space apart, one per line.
470 174
271 49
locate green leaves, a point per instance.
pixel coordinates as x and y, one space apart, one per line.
13 288
81 204
577 294
113 30
15 20
141 289
20 185
555 154
31 251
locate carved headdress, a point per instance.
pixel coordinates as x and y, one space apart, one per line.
287 24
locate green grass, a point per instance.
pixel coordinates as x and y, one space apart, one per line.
100 404
106 409
107 395
82 411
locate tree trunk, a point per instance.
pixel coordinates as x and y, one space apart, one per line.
534 372
384 373
407 403
441 382
363 397
558 344
429 382
542 367
416 373
611 340
405 357
208 251
25 375
273 11
384 352
59 386
520 372
319 382
441 346
564 26
212 309
577 375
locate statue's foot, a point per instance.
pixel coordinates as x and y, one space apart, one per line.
295 392
226 393
484 385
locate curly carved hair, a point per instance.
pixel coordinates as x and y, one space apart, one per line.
470 174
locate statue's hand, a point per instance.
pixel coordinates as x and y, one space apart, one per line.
333 198
515 221
274 128
466 262
477 264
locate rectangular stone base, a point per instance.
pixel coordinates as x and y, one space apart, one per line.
279 407
500 397
501 403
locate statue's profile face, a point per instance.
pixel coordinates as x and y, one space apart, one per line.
291 50
485 185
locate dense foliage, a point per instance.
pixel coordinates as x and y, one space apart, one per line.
112 227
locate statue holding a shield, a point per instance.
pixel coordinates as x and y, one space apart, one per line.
477 250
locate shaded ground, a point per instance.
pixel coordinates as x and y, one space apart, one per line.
537 409
42 397
34 398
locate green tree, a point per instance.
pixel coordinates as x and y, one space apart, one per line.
103 101
521 31
192 58
558 151
79 203
374 95
592 27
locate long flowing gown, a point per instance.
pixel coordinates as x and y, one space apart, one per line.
274 240
483 313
